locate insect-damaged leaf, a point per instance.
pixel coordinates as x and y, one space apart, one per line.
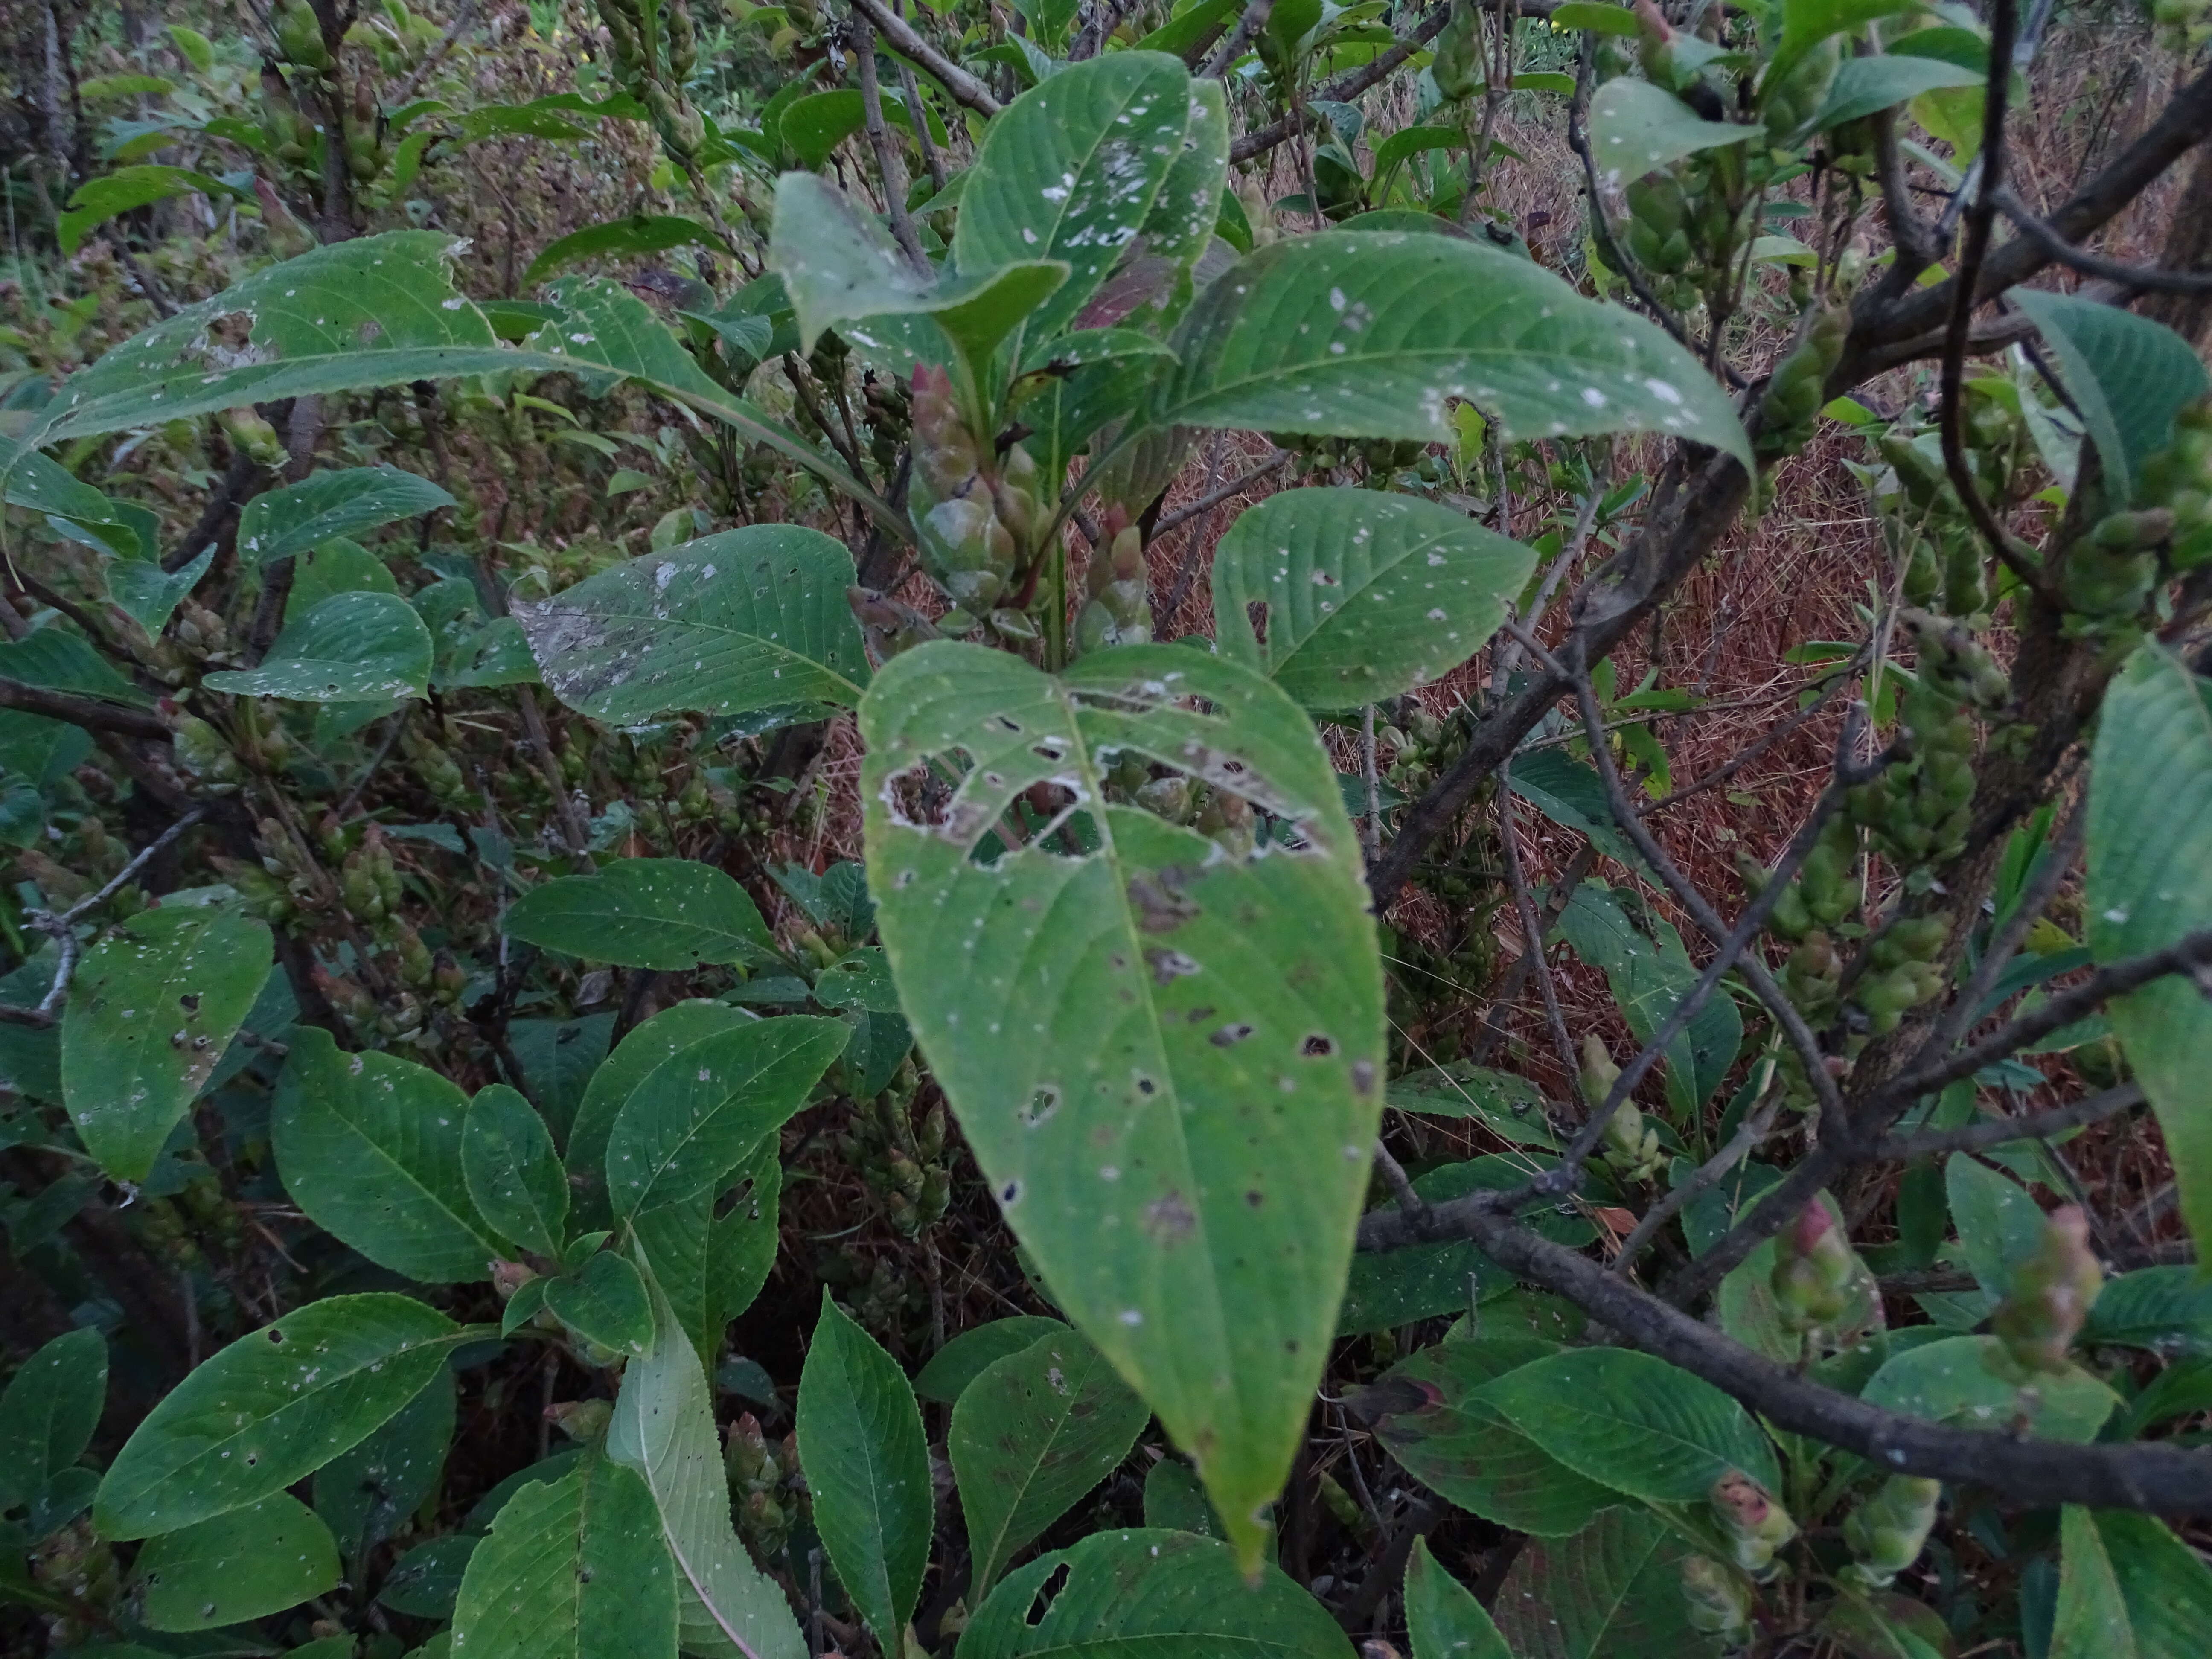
1167 1055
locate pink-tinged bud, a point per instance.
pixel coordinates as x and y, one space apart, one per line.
509 1277
1813 1271
944 451
1758 1524
2052 1294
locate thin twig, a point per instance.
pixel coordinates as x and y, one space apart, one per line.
879 142
1996 1131
1532 927
1754 1129
964 87
2142 278
1249 23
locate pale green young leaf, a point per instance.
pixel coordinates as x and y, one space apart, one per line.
1636 128
604 1301
748 619
696 1115
1030 1435
1444 1620
370 1145
1111 1086
1612 1591
1371 335
1359 595
272 1408
513 1174
152 1007
663 1428
1633 1423
1143 1591
614 1081
366 1493
573 1568
1999 1223
867 1464
243 1565
1966 1380
2128 376
1070 171
47 1415
2149 883
1863 85
282 523
352 647
967 1355
668 913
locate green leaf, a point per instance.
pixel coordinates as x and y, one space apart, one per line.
2128 1588
1999 1224
1441 1618
246 1565
1175 1499
113 194
1634 1423
1142 1591
1029 1436
365 1493
859 979
816 123
513 1175
2149 858
150 1010
616 1078
605 1302
696 1115
1181 225
2091 1618
574 1568
151 595
352 647
2128 376
1189 1231
1636 128
1432 1412
1863 85
967 1355
867 1465
50 657
748 619
670 913
1344 596
1512 1108
1649 975
48 1414
2165 1309
1370 335
1612 1591
370 1145
663 1428
1070 171
710 1258
1956 1380
1805 23
641 233
426 1582
285 522
271 1409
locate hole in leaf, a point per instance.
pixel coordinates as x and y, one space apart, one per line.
1255 612
1317 1046
1055 1582
1229 1035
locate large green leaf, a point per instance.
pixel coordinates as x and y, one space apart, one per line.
1360 334
614 1081
1431 1412
1149 1592
574 1568
1070 170
47 1415
1441 1618
285 522
2128 1588
1863 85
867 1465
2150 882
1999 1224
1344 597
513 1175
243 1565
663 1428
2128 376
641 232
1181 225
2167 1310
1029 1436
1612 1591
1650 974
2090 1620
710 1257
370 1145
970 1354
1636 128
1966 1380
1147 1043
670 913
1633 1423
154 1004
748 619
271 1408
352 647
366 1493
699 1112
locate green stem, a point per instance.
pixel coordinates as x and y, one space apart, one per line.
1055 620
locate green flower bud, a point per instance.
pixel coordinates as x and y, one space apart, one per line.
1757 1524
945 455
2052 1294
1887 1532
1814 1269
1718 1602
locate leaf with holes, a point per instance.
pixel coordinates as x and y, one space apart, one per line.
150 1010
1344 597
574 1568
271 1408
244 1565
1176 1099
663 1428
2129 375
710 1253
514 1175
1612 1591
352 647
748 619
322 505
1030 1435
671 913
1072 170
867 1465
370 1145
1371 335
2151 883
1144 1591
1441 1618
